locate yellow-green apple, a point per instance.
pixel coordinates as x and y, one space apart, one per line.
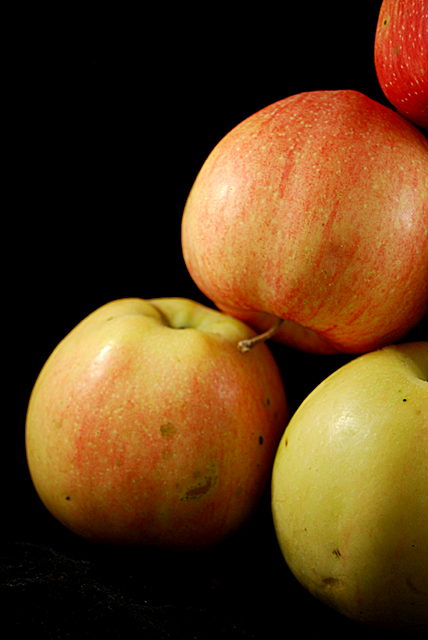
314 210
147 426
401 56
350 489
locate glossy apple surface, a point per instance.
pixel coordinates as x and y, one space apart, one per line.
401 57
350 489
147 426
315 210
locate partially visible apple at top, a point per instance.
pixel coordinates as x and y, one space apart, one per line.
314 210
401 57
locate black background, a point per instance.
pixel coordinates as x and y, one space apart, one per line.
110 117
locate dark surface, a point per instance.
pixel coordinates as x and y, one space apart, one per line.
111 118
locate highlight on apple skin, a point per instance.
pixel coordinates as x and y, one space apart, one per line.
147 426
314 210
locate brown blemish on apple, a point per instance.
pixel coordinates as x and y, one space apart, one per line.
168 430
260 439
333 583
203 486
336 553
198 490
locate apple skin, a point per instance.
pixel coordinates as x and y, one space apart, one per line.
315 210
141 432
350 489
401 57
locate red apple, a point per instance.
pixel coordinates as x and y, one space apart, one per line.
401 57
315 210
147 426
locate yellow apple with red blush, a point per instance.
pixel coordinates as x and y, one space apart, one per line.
147 426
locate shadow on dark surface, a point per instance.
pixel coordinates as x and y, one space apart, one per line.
59 586
57 596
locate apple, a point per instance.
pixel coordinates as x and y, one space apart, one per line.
311 218
350 489
401 57
147 426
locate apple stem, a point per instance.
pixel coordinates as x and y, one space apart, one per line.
247 345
